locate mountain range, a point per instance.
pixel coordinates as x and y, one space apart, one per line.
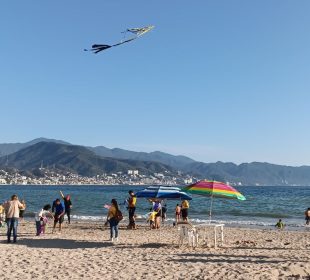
89 161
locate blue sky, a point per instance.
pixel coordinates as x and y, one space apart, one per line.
215 80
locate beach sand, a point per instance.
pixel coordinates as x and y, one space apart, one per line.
82 251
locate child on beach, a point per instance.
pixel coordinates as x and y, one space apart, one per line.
177 213
151 219
22 210
157 209
41 219
280 224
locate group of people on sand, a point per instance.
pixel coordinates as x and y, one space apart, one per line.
12 211
115 215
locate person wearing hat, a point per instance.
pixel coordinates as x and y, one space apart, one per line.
132 200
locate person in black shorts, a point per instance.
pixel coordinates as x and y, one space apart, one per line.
59 214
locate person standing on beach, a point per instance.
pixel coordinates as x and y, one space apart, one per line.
12 209
307 216
68 205
177 213
41 219
157 208
132 200
184 210
59 214
113 221
22 210
164 213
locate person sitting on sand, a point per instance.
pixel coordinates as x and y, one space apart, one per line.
307 216
59 214
177 213
280 224
112 219
41 219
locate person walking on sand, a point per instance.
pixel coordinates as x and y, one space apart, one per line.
11 209
68 205
307 216
132 200
59 214
184 210
113 220
177 213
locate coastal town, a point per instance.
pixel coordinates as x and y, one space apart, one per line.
44 176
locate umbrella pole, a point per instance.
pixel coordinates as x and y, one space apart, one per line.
210 214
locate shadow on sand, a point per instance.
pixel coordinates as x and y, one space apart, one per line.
62 244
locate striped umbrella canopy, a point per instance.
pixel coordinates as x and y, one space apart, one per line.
214 189
163 192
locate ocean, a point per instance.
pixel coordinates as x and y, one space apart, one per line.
263 207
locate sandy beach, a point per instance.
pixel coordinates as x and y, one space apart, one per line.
82 251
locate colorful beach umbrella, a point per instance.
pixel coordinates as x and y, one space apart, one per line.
213 189
161 192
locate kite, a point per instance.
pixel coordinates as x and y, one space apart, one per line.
96 48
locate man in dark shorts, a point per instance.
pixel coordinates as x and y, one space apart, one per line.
132 200
68 206
59 214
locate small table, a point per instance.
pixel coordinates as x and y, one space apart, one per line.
215 226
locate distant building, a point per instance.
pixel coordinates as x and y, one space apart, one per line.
188 181
133 172
2 181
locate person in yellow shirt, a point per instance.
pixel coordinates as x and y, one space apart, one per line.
111 218
280 224
151 219
132 200
184 210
